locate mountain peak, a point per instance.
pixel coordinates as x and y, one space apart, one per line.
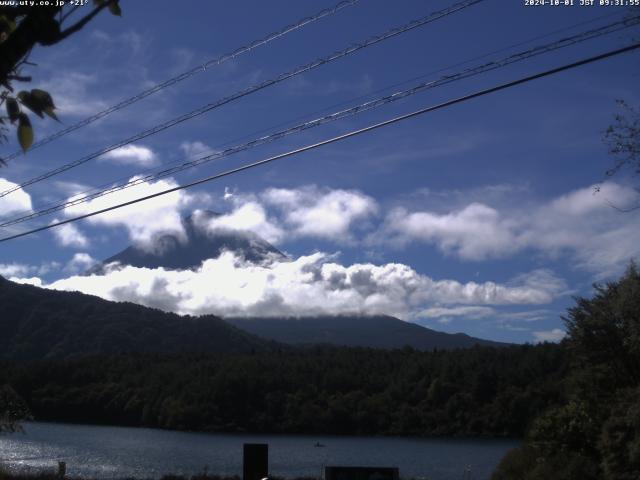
174 251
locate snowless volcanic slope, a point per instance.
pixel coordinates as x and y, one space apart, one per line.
379 331
170 252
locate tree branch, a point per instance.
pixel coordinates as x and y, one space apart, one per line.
69 13
19 78
22 40
76 27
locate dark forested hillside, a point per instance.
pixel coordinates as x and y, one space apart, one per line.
40 323
478 391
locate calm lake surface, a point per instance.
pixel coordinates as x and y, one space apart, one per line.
117 452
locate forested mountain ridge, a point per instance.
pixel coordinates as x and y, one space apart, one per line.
40 323
377 331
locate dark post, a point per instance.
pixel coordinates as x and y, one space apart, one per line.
255 463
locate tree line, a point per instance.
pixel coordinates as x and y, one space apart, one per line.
594 432
481 391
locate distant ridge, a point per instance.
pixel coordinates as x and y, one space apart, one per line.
380 331
40 323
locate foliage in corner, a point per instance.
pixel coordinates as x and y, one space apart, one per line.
623 139
22 27
595 433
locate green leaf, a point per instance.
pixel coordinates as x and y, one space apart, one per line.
49 111
43 97
114 8
12 109
25 132
34 104
7 26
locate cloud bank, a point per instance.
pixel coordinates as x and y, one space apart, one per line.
280 214
309 285
581 225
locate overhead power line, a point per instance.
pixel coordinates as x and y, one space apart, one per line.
338 138
188 74
267 83
466 73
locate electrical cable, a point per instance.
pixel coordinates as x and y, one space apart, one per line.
469 72
188 74
338 138
257 87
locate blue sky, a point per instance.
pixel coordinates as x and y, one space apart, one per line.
478 218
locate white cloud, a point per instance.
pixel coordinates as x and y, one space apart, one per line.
80 262
279 214
132 155
228 193
472 312
309 285
474 233
16 270
248 217
74 93
15 202
528 315
541 279
581 225
600 238
314 212
504 319
35 281
554 335
71 188
194 150
587 200
144 220
133 42
69 235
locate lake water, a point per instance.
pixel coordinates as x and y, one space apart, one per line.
117 452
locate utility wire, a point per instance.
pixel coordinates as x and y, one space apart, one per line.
188 74
280 78
339 138
404 82
102 189
469 72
